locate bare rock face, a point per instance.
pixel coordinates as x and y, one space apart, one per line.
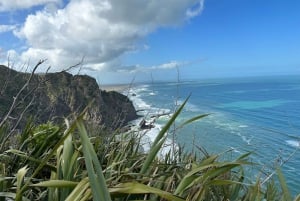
54 96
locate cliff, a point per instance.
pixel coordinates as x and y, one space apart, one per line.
53 96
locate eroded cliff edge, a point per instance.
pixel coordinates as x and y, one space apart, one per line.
53 96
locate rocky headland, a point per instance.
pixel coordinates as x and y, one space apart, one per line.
54 96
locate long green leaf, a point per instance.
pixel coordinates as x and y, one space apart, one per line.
67 166
193 119
214 170
44 161
184 184
11 195
297 198
48 157
211 174
24 155
189 177
170 122
285 191
236 189
67 153
220 182
80 191
97 181
56 184
255 193
159 140
20 177
137 188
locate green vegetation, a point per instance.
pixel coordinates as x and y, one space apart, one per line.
68 162
50 162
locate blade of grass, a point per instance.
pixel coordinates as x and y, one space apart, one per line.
220 182
56 184
11 195
20 177
67 153
213 173
67 166
137 188
193 119
48 157
79 191
189 177
285 191
170 122
159 140
235 189
24 155
97 181
297 198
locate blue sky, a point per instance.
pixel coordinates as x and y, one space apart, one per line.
136 39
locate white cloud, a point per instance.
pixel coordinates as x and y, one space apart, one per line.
164 66
7 5
99 31
6 28
170 65
196 10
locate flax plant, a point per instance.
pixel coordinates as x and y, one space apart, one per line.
102 168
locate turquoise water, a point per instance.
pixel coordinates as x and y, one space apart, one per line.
250 105
249 114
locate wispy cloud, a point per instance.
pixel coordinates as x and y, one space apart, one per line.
195 10
8 5
165 66
7 28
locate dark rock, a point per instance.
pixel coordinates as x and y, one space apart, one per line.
146 125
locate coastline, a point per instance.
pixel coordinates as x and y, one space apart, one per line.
115 87
147 125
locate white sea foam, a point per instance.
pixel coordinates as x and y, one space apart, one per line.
235 150
247 140
220 121
294 143
149 135
143 107
138 102
150 114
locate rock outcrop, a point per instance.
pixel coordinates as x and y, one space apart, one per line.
53 96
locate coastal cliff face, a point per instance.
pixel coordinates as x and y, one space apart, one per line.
54 96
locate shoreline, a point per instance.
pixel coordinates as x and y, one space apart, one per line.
146 125
115 87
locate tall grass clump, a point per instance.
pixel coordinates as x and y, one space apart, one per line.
56 163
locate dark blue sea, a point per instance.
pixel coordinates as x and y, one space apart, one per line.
260 114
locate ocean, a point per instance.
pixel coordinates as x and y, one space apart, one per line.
257 114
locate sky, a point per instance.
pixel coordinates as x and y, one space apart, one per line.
121 41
